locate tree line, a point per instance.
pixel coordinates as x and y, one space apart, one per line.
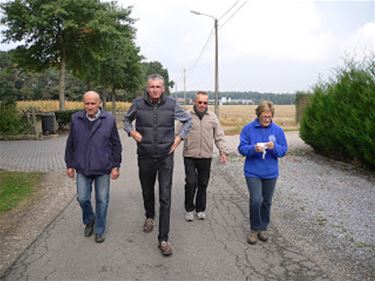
237 96
20 84
68 46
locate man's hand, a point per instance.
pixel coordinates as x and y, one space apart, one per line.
115 173
223 158
176 142
70 172
136 135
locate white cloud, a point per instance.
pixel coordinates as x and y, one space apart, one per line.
362 42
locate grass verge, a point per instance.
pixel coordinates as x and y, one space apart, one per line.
16 187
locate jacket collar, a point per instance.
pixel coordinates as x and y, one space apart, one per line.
97 115
82 114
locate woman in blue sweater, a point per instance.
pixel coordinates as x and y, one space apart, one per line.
262 142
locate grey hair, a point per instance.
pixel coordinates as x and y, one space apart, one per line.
265 106
155 76
201 93
92 93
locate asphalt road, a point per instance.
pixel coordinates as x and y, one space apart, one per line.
213 249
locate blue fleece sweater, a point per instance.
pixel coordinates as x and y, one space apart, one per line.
255 165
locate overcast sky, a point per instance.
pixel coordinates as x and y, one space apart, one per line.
266 46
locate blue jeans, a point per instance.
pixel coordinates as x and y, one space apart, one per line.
84 188
261 192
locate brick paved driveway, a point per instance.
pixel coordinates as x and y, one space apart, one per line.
33 155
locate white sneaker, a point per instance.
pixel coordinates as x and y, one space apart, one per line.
201 215
189 216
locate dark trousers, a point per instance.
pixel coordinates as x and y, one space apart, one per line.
197 175
149 168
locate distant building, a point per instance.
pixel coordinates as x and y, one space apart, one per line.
225 100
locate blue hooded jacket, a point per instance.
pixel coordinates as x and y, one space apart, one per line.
96 151
255 165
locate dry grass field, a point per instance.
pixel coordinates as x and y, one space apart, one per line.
53 105
232 117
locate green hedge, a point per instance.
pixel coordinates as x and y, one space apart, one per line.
64 117
11 121
340 119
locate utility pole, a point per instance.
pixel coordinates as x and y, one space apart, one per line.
217 112
184 86
216 86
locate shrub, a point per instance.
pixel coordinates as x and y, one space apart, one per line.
11 122
64 117
340 120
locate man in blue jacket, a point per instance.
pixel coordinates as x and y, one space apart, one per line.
93 151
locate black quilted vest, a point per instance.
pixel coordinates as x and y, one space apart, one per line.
155 122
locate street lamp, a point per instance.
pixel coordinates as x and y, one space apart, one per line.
216 62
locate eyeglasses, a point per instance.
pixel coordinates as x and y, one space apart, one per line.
266 116
202 102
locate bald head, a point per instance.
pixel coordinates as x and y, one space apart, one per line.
91 101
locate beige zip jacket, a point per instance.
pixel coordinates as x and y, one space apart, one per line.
203 133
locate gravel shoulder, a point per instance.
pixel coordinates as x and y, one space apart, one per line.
323 207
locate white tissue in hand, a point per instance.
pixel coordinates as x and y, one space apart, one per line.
263 146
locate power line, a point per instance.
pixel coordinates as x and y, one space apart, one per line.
211 33
208 39
202 51
228 11
233 15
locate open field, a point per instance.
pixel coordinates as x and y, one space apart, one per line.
53 105
232 117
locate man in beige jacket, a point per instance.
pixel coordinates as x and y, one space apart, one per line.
198 148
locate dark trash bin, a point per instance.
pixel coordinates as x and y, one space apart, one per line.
49 125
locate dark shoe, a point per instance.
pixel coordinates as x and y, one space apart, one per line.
99 238
252 237
148 225
89 229
262 235
165 248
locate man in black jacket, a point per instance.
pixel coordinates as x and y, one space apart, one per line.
155 114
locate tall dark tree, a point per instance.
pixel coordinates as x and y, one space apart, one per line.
63 33
119 65
11 79
121 69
